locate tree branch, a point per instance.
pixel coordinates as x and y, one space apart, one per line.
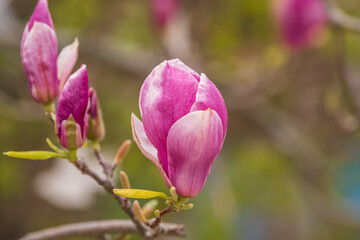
108 185
96 228
340 19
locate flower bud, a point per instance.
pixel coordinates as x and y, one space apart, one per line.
39 53
96 131
124 180
300 22
137 211
122 152
45 71
164 11
157 213
71 113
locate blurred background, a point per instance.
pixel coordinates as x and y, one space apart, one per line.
290 165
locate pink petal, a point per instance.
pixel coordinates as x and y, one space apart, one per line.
74 99
25 33
93 103
208 96
193 143
66 62
41 14
38 55
176 62
145 146
62 134
166 95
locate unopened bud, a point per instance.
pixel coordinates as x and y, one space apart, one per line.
149 207
71 114
157 213
187 206
122 152
96 129
70 135
137 211
174 194
125 183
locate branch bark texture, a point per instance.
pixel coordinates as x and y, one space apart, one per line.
98 228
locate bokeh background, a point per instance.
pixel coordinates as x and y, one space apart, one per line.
290 165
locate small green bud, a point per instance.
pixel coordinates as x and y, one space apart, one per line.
187 206
174 194
137 211
157 213
70 128
124 180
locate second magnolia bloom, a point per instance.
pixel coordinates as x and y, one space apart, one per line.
72 110
184 125
45 70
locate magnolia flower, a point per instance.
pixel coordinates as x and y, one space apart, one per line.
300 22
184 125
72 110
39 55
164 11
96 129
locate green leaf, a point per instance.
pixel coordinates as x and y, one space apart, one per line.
54 147
34 155
138 193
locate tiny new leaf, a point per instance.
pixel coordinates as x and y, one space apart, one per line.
54 147
34 155
138 193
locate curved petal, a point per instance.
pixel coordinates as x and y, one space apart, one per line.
166 95
74 99
25 33
38 55
193 144
62 134
66 61
145 146
41 14
180 64
93 110
208 96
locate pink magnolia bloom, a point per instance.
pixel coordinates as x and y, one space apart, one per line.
300 22
39 55
73 106
184 125
164 11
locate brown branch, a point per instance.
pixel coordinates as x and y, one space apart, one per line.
342 22
125 204
163 212
98 228
108 185
340 19
107 167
